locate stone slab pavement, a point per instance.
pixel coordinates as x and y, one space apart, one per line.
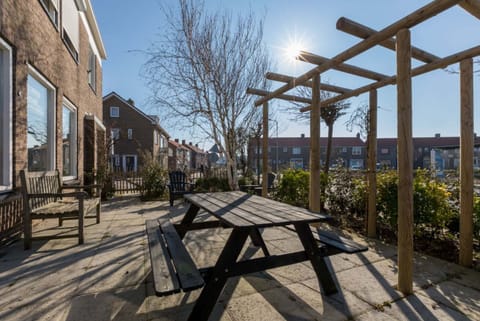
109 278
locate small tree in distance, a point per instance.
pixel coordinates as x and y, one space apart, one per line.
199 72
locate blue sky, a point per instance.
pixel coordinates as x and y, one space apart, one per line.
128 27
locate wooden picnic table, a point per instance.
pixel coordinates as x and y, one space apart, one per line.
246 215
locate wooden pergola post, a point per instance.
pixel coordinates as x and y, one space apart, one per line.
265 151
372 165
466 162
405 163
314 193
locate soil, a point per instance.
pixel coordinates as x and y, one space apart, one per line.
443 247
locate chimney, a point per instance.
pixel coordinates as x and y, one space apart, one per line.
196 145
183 141
358 135
302 135
437 135
190 143
131 101
176 140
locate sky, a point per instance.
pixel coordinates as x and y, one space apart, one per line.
130 27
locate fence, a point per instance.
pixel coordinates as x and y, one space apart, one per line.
11 218
209 172
126 183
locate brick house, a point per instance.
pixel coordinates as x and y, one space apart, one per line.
294 152
134 134
447 149
198 157
178 156
51 89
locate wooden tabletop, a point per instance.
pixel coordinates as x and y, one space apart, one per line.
242 210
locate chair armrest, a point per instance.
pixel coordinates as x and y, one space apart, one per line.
78 195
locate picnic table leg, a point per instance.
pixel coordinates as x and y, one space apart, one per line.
227 259
188 218
315 257
257 240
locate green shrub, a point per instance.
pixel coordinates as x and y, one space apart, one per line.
212 184
387 190
339 192
154 181
293 187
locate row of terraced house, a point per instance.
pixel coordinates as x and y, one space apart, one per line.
351 152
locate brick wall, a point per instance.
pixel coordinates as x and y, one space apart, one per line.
36 41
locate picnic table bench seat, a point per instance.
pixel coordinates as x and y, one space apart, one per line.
172 266
44 197
331 243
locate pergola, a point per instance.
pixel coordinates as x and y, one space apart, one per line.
395 37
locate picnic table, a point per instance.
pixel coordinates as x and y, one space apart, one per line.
247 215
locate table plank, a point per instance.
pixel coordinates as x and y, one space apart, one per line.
239 209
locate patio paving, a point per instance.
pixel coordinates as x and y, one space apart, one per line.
109 278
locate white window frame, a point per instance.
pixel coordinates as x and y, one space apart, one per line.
114 112
71 27
296 150
6 110
92 70
115 133
51 8
356 150
73 149
52 116
130 133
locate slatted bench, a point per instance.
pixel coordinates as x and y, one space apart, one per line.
334 244
172 267
44 198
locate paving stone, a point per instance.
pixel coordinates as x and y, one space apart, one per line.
457 297
416 307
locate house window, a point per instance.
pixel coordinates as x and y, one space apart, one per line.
40 123
384 151
129 133
296 150
285 149
344 150
114 112
116 133
155 137
356 150
69 140
92 68
51 8
70 22
6 128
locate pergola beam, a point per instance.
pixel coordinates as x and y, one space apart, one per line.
350 69
437 64
325 87
416 17
260 92
472 6
356 29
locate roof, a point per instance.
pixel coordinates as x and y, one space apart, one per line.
438 141
305 141
95 30
196 149
153 119
177 145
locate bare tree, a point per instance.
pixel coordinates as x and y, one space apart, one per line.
200 69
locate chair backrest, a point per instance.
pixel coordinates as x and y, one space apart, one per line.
178 181
39 183
271 178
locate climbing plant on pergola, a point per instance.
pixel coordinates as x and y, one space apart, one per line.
395 37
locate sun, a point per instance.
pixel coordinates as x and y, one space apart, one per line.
293 47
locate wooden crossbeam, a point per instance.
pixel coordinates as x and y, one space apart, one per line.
472 6
416 17
357 71
323 86
260 92
437 64
356 29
